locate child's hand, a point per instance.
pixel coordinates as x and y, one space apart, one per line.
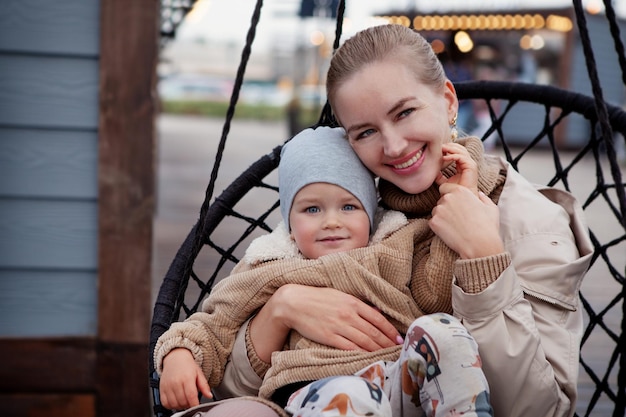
181 380
466 168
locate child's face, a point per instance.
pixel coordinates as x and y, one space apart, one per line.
325 218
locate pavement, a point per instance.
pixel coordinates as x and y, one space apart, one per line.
187 151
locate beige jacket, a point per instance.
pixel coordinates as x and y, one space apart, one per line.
528 322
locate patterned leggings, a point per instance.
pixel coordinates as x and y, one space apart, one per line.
439 373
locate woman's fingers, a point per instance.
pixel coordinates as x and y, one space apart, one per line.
381 328
368 331
337 319
466 167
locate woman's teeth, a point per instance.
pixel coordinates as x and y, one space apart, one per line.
410 161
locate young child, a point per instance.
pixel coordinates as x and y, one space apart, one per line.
328 202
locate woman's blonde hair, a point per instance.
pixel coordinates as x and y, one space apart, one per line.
379 43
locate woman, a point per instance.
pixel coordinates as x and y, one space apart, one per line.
521 251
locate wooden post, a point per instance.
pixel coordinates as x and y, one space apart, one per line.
128 57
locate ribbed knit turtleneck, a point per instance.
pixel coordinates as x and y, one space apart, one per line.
490 182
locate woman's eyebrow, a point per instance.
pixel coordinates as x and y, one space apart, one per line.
392 110
400 103
356 127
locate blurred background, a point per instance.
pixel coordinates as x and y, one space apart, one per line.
525 40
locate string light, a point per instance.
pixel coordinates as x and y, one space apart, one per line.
485 22
463 41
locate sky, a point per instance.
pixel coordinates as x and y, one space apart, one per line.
228 20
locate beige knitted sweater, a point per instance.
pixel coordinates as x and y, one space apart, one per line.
405 275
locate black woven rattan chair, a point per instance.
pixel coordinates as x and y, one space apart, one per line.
526 120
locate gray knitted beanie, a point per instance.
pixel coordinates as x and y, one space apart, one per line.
323 155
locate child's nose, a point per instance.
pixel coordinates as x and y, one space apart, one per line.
331 220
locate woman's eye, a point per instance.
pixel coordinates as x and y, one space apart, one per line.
405 113
365 134
312 210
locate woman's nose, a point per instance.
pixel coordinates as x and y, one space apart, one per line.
394 144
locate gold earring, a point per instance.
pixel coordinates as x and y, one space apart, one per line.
454 133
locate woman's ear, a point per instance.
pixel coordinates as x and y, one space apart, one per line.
451 99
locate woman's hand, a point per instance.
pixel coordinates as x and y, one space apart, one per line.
464 218
181 380
466 168
467 223
324 315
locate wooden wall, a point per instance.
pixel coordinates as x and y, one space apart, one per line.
76 204
48 167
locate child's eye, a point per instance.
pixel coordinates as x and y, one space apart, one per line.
312 210
349 207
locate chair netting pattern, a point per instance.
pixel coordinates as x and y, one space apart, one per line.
591 171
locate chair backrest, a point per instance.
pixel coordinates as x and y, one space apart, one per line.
531 125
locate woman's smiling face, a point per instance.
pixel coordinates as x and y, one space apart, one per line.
395 123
